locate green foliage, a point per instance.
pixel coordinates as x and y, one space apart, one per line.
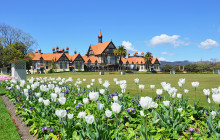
191 68
121 52
166 67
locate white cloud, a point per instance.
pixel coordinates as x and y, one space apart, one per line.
167 53
166 39
128 46
208 44
162 59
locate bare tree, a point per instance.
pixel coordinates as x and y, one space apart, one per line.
10 35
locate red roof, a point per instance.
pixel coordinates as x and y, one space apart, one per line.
100 34
100 47
138 60
91 58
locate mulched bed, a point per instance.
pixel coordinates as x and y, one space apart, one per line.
22 128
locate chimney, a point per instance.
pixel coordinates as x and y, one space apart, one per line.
75 52
39 50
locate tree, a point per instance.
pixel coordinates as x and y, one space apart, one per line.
10 35
191 67
148 58
166 67
121 52
1 55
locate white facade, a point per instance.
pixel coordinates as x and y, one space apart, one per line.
18 69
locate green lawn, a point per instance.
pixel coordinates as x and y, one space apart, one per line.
205 80
2 91
7 128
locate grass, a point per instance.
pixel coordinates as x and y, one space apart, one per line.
207 81
2 91
8 130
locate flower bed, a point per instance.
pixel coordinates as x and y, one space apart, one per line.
57 109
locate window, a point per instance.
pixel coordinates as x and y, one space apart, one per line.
65 65
46 67
76 65
89 63
80 65
61 65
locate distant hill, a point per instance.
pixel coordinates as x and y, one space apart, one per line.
183 63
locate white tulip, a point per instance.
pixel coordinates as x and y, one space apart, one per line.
142 113
216 98
106 84
213 114
179 95
195 84
62 100
146 102
46 102
180 84
61 95
141 87
88 86
182 80
136 80
40 100
154 105
166 103
186 91
206 92
115 98
180 110
116 107
89 119
152 86
159 91
93 80
209 101
70 116
102 91
100 106
57 90
53 96
38 94
84 80
25 91
108 113
85 101
61 113
81 115
94 96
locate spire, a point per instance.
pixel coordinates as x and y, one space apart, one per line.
100 34
100 37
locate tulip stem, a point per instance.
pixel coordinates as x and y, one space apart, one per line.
146 128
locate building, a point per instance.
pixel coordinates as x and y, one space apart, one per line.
101 57
98 57
59 60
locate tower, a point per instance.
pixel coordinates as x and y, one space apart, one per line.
100 37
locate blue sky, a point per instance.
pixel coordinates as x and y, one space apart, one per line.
172 30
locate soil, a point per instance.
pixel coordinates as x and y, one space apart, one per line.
22 128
